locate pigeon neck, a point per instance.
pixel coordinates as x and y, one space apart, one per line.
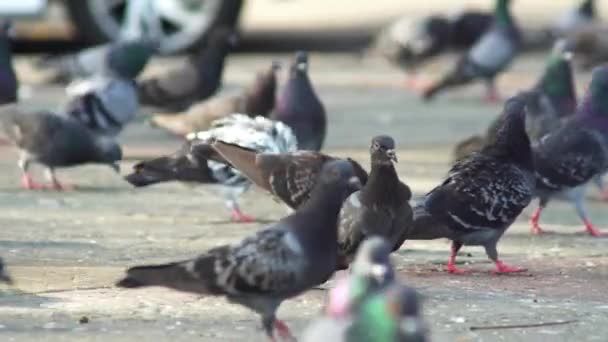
382 184
591 114
511 142
324 206
260 98
501 13
5 50
558 85
374 316
587 9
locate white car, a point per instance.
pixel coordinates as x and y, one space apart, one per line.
179 24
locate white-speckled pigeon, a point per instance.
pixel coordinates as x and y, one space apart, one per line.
277 263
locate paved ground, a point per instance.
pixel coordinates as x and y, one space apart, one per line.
66 249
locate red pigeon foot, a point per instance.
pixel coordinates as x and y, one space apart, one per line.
452 269
502 268
238 216
283 330
28 183
590 228
536 229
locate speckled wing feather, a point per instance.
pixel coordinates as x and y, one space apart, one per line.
480 192
569 156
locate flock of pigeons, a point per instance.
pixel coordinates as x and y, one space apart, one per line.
542 145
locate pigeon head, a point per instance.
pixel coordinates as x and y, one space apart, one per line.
382 150
300 63
108 152
373 261
593 109
129 58
339 174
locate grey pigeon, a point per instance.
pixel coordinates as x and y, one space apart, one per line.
300 108
104 103
279 262
4 277
488 57
9 85
126 59
570 156
483 193
46 138
575 19
197 79
288 176
197 162
257 100
380 208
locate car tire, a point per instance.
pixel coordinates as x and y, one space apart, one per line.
91 30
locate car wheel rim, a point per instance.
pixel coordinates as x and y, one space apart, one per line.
177 24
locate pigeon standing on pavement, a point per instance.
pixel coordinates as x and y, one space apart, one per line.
300 108
129 58
575 19
277 263
570 156
483 193
53 141
488 57
4 277
290 177
9 85
258 100
197 162
197 79
380 208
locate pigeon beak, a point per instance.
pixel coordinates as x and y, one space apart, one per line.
115 166
354 183
392 155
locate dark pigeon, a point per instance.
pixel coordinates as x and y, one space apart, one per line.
126 59
197 79
380 208
277 263
53 141
290 177
299 107
488 57
575 19
257 100
9 85
483 193
573 154
197 162
4 277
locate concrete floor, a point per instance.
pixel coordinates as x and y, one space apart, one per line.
65 250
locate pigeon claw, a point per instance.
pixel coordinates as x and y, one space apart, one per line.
502 268
238 216
283 331
452 269
590 228
28 183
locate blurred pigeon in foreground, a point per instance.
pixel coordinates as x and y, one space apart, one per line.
371 271
197 162
257 100
489 56
9 85
483 193
48 139
197 79
277 263
575 19
573 154
289 177
126 59
104 103
380 208
553 98
299 107
4 277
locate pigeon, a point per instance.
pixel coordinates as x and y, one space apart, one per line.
257 100
488 57
553 98
575 19
48 139
483 193
299 107
103 103
197 79
371 271
4 277
380 208
410 43
277 263
571 155
589 45
289 177
125 58
197 162
9 85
